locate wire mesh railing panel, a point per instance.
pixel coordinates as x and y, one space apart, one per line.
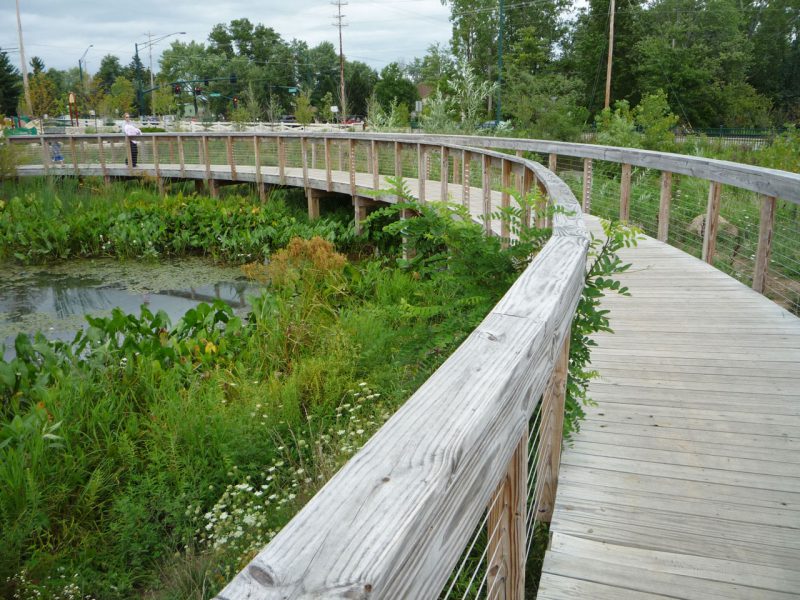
293 152
783 273
475 575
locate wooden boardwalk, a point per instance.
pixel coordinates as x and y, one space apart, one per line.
684 481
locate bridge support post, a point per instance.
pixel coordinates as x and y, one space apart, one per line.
506 529
360 211
552 427
312 196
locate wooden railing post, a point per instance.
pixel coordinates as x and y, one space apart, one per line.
526 184
552 424
352 166
259 176
157 166
506 529
328 166
281 161
376 165
586 201
212 186
712 222
181 155
625 194
766 229
664 206
444 170
102 156
487 193
505 198
304 158
421 172
465 177
398 160
231 157
552 162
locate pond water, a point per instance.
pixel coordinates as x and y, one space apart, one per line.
54 298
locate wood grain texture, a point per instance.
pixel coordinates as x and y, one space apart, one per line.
684 480
765 232
664 203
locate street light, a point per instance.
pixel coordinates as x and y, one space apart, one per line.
80 67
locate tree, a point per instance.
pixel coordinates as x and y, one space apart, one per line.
37 64
108 72
252 104
394 85
693 50
10 87
774 27
359 80
656 122
469 95
122 96
547 105
325 112
303 110
43 95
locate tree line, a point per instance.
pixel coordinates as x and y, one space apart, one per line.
712 63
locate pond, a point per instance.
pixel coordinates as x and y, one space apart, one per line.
54 298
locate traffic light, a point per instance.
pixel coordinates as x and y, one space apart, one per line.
198 90
233 78
235 102
205 81
177 89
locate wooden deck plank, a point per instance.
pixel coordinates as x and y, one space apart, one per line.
684 481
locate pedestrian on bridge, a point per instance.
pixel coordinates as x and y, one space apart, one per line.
130 130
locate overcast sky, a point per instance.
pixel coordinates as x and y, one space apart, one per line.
58 31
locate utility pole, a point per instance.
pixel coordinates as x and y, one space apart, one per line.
28 103
339 16
150 51
610 54
500 62
139 90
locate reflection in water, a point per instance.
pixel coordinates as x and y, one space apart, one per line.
50 300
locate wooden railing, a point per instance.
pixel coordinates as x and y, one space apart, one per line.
396 518
338 162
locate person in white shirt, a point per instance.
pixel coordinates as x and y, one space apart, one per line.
130 130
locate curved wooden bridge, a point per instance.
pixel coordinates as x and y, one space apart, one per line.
684 481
